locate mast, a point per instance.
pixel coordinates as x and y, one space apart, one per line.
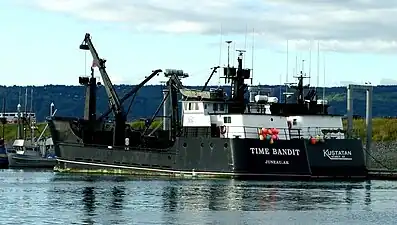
228 53
32 127
220 54
252 52
310 60
19 130
318 65
3 118
26 101
114 101
236 77
324 83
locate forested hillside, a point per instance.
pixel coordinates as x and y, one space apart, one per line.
69 100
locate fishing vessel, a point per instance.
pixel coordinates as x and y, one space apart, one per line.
30 152
209 133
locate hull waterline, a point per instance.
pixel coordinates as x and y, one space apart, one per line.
221 158
27 161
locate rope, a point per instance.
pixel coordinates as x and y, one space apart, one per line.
379 162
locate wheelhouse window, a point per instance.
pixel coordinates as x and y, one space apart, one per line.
190 106
222 107
227 119
196 106
215 106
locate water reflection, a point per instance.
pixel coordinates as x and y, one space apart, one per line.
118 194
367 201
170 198
260 196
89 204
89 200
80 199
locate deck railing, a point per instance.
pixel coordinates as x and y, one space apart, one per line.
253 132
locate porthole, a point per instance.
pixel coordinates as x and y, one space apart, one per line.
271 119
202 145
211 145
225 145
184 145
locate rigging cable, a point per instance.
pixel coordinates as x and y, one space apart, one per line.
85 63
379 162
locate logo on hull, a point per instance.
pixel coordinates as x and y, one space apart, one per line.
338 154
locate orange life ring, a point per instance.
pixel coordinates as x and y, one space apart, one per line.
222 129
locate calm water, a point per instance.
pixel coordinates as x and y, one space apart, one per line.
33 197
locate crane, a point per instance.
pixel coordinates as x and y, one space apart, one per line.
115 103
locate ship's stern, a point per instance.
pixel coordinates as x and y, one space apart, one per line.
282 158
337 158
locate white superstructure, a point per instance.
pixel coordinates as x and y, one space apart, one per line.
12 117
208 113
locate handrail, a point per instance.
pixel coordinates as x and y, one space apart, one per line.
253 132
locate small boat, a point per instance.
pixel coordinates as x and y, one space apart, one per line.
3 155
25 154
30 152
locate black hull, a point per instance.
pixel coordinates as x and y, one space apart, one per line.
3 161
27 161
217 157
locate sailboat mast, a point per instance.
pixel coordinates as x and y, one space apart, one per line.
32 127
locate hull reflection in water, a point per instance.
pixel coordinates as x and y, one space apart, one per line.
260 196
100 200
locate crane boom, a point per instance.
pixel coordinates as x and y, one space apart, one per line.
133 91
114 100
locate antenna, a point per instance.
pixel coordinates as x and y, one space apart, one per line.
252 66
245 40
30 115
318 64
26 101
286 72
228 53
3 118
31 100
286 75
310 60
324 82
281 83
19 95
234 52
220 55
